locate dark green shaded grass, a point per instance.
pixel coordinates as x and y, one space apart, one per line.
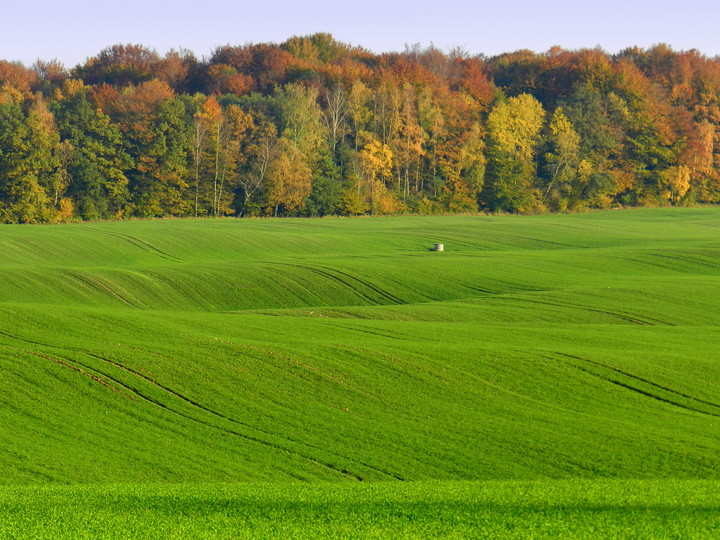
547 509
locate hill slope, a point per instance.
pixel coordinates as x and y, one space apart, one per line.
551 346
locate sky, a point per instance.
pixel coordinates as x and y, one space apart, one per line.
73 30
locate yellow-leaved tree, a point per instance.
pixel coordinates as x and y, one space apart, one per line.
289 177
562 162
376 161
513 127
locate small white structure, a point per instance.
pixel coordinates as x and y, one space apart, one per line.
439 247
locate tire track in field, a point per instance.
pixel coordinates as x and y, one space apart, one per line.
644 321
145 246
332 277
687 259
646 393
389 296
527 242
148 399
646 381
82 371
478 289
91 279
345 279
199 406
324 375
300 283
375 332
248 426
193 404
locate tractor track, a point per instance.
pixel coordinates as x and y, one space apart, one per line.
346 280
91 279
641 321
145 246
675 402
86 370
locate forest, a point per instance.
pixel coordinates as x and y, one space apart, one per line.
315 127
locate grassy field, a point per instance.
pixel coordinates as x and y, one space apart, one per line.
560 509
194 371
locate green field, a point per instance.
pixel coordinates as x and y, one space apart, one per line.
544 375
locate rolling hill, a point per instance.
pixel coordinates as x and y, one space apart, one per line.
198 350
534 349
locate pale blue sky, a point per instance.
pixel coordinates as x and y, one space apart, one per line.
72 30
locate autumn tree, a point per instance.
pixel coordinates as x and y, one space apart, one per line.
258 149
50 75
408 146
562 163
120 65
513 129
236 130
288 177
301 120
462 163
335 116
180 70
96 160
209 152
14 77
674 183
386 111
264 64
156 138
376 161
28 160
431 118
359 110
224 79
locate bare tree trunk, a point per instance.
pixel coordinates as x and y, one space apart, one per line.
334 115
197 157
218 143
253 181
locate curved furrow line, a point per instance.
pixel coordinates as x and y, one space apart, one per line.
686 259
298 290
90 279
646 381
82 371
222 416
332 277
330 273
379 333
394 299
320 373
528 242
478 289
644 321
658 398
150 247
643 392
138 243
18 338
155 402
201 407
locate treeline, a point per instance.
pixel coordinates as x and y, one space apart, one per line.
316 127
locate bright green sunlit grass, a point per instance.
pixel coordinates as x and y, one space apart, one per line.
560 509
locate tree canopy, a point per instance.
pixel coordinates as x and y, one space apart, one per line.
313 126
